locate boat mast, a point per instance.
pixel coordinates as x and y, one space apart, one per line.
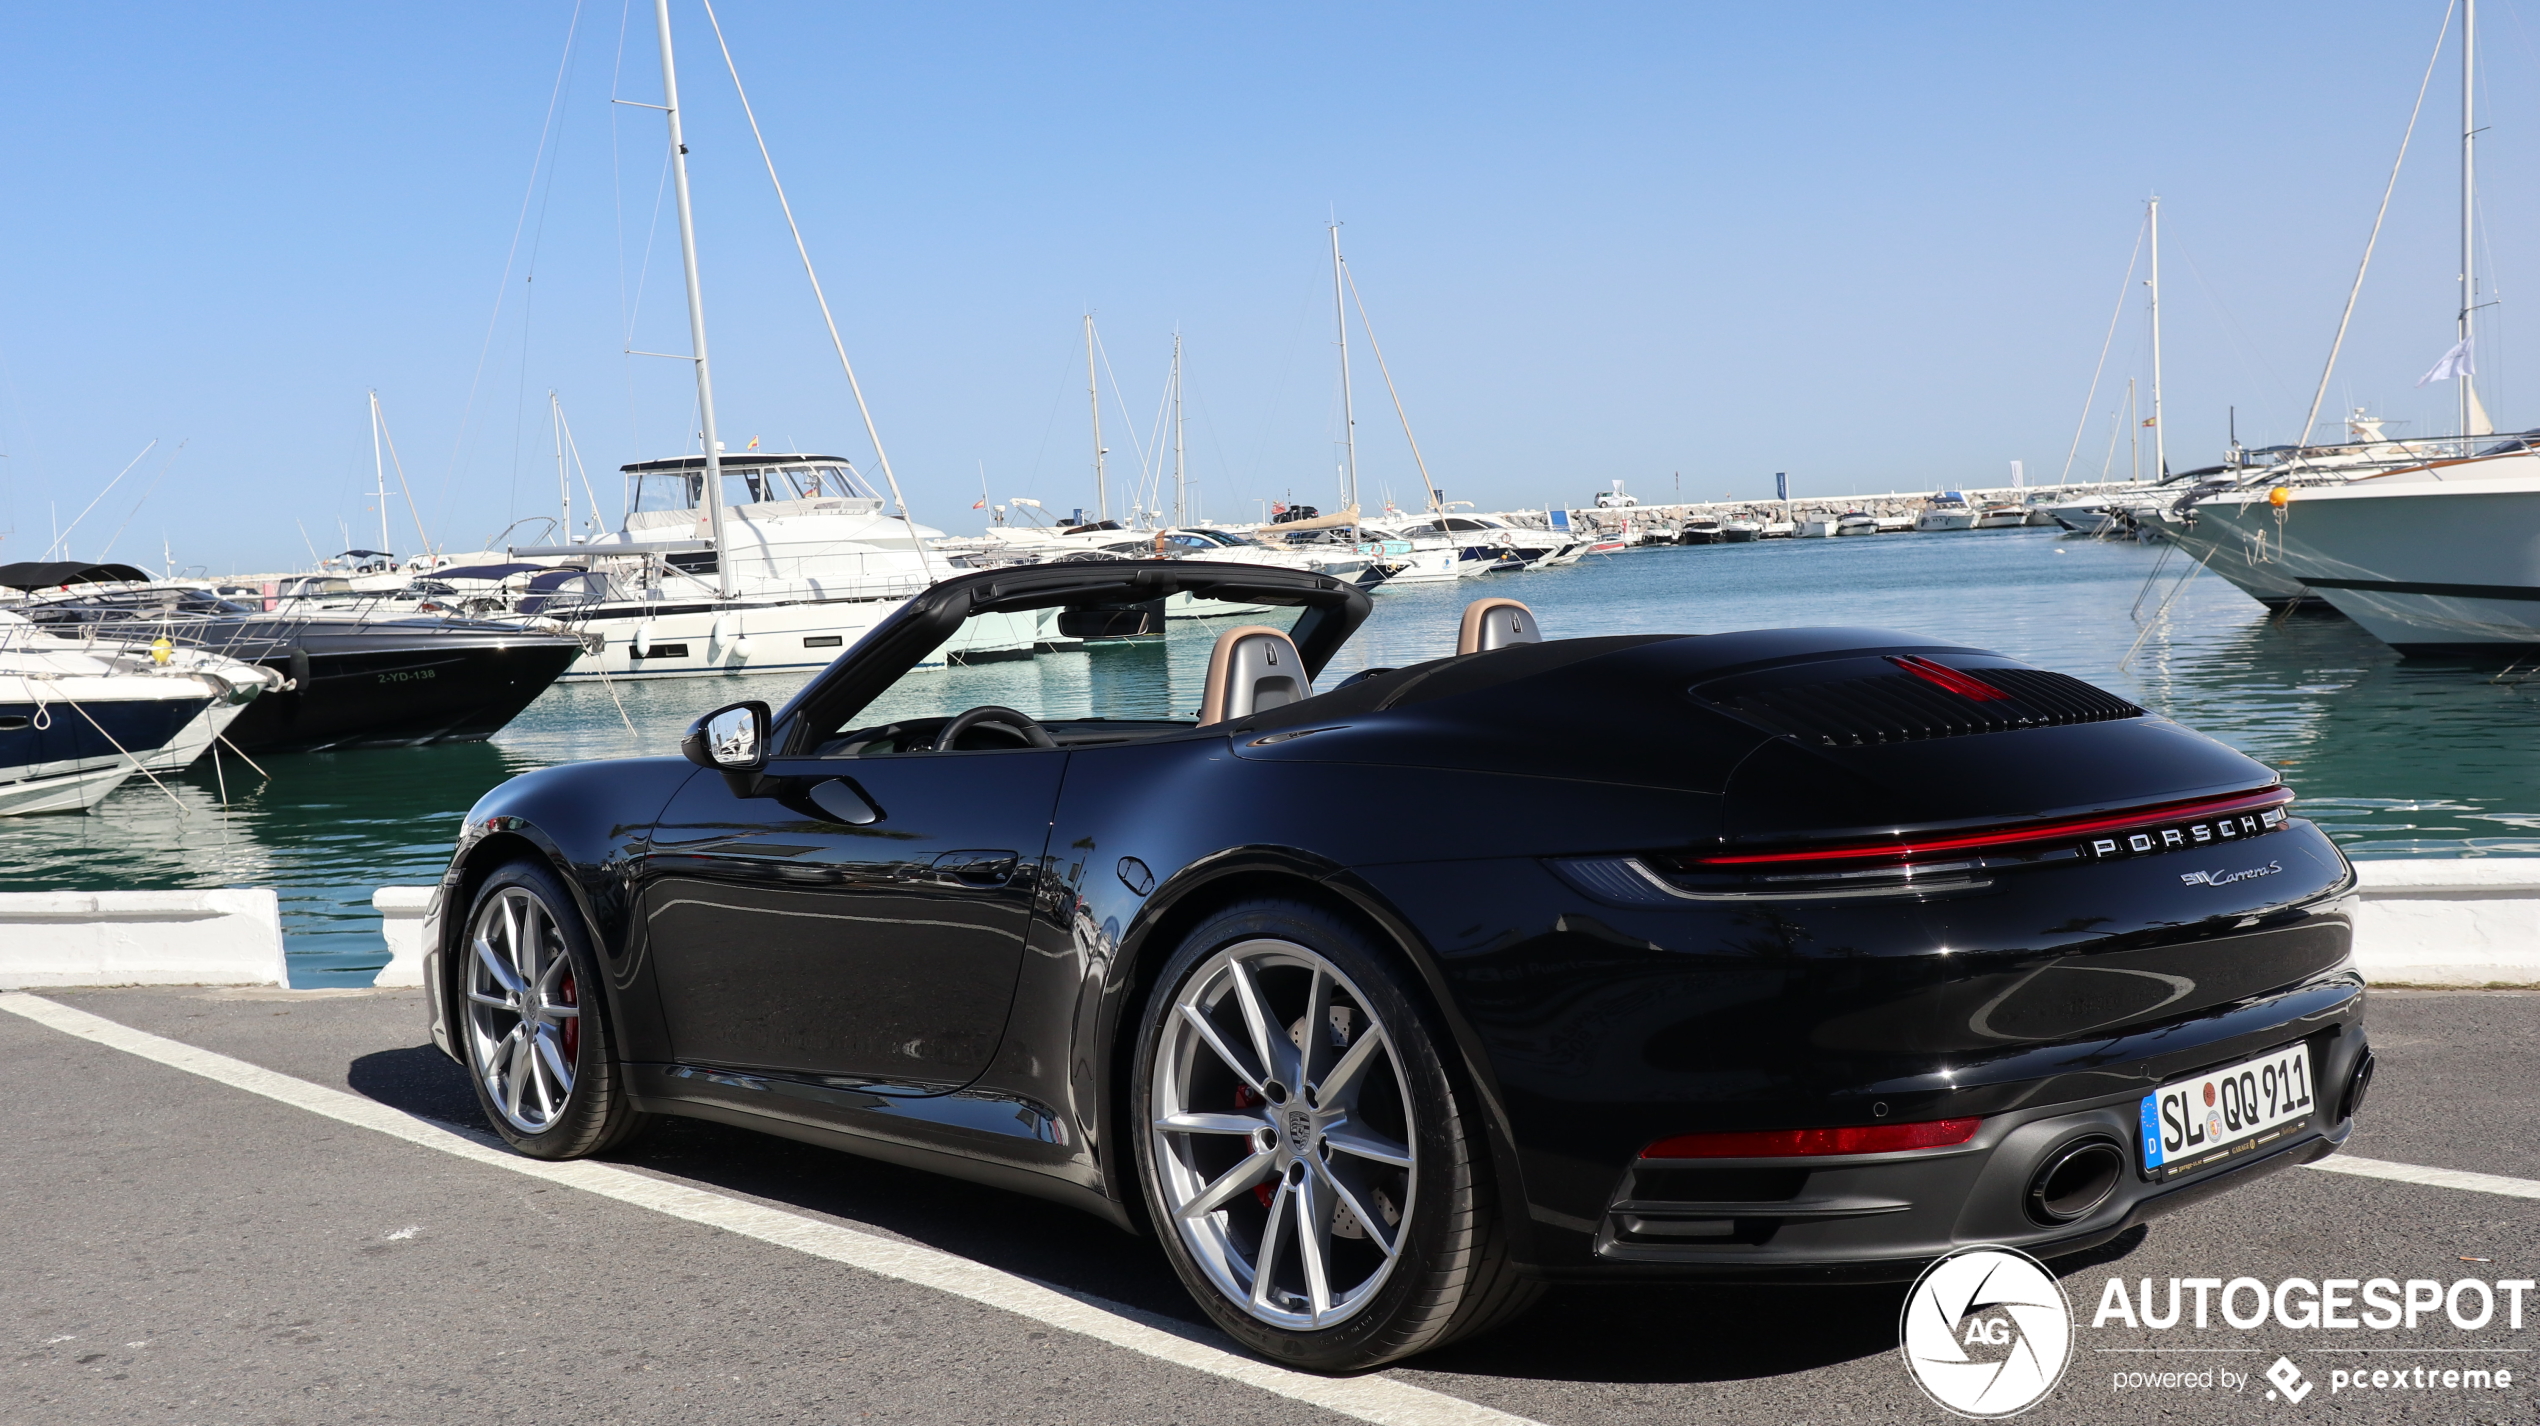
1181 485
379 472
1349 416
1093 397
2160 456
696 305
2468 397
564 487
2134 433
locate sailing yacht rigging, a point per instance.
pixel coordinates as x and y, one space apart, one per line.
768 563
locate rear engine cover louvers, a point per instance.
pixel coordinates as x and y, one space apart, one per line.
1908 699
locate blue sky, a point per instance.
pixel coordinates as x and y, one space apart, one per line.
1875 246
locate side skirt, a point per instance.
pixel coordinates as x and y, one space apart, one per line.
684 1091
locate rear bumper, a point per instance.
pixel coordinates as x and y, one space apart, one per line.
1884 1223
1881 1218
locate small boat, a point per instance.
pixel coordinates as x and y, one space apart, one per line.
1702 530
2086 516
1813 528
2001 517
75 723
1738 532
1947 511
1856 522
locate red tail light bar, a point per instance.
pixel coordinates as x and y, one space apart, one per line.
2003 837
1816 1143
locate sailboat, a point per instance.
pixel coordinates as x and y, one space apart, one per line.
1409 551
2432 556
747 563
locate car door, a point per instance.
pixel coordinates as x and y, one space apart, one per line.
862 926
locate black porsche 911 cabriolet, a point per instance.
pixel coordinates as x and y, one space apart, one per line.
1805 954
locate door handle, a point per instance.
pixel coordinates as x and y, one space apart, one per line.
975 868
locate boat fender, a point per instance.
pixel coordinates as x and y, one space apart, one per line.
300 668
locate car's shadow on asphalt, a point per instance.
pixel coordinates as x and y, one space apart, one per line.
1616 1334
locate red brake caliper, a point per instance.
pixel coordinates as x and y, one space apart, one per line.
573 1027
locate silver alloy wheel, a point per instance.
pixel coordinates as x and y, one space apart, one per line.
524 1022
1283 1134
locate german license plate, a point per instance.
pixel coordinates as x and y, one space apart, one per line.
2226 1114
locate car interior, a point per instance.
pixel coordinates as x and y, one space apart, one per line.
1252 669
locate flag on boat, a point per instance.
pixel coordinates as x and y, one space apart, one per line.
979 504
753 445
1278 509
2461 360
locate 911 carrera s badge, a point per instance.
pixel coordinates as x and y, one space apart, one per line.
2226 878
2206 832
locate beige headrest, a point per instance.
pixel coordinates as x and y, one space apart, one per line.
1252 668
1495 624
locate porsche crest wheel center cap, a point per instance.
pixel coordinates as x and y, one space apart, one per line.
1300 1131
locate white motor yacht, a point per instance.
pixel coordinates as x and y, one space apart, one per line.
2001 517
1856 522
815 563
1947 511
76 721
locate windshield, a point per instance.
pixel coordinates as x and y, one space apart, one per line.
1132 663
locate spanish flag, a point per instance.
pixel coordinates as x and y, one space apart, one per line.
753 445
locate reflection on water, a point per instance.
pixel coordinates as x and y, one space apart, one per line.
2394 758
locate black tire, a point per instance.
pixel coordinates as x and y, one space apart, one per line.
1449 1274
592 1114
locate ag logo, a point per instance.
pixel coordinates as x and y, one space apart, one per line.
1986 1332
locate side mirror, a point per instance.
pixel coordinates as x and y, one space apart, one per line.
730 739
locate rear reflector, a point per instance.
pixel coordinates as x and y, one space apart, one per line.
2003 837
1815 1143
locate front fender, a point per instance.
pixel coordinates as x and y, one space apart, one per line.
590 824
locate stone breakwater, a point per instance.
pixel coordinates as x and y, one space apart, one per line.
1891 505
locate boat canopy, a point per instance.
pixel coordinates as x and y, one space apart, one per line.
749 478
37 574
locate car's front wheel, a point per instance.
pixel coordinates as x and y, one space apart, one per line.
1303 1153
535 1025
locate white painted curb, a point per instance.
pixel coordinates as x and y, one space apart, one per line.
2451 921
401 911
57 938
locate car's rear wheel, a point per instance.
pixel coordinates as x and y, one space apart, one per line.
538 1042
1303 1153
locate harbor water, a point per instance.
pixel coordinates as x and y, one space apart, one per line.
2394 758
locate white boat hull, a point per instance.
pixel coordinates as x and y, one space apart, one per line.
2445 560
75 790
645 642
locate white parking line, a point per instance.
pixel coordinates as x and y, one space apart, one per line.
1368 1398
2433 1178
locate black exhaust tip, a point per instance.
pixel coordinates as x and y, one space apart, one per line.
2358 1084
2074 1180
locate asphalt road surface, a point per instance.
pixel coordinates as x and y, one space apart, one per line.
187 1248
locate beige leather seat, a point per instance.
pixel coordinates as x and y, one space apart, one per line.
1252 668
1495 624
